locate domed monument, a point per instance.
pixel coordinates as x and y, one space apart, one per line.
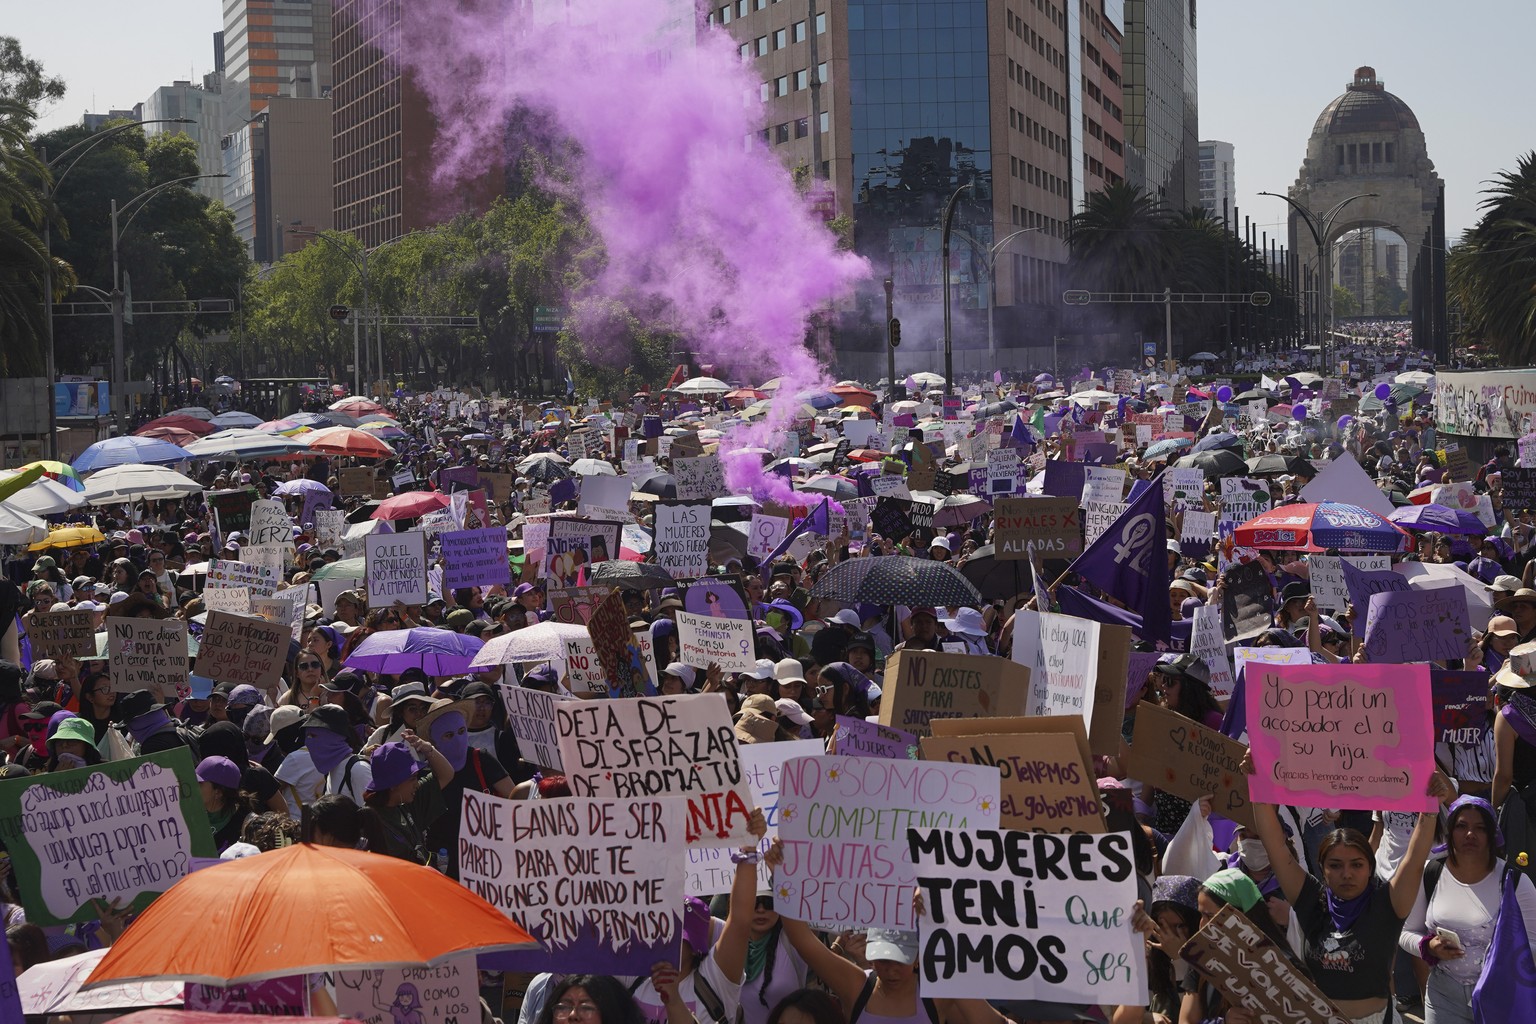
1368 166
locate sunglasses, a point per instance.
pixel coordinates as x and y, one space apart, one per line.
309 664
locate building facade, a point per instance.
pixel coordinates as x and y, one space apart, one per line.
1218 189
204 104
1162 131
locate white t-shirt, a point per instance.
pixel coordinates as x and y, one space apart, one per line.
336 783
302 781
655 1012
1396 830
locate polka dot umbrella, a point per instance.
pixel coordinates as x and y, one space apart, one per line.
896 579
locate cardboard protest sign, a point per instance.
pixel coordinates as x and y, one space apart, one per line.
1052 526
618 649
1044 785
1190 760
1062 655
710 869
1207 644
583 668
1065 479
1247 604
55 634
682 537
260 580
1053 924
1184 487
577 544
575 605
1461 707
286 607
243 649
920 477
498 486
147 654
661 747
1362 584
1002 471
1418 625
446 993
1252 972
923 685
270 523
604 491
1329 588
715 640
698 479
1243 498
531 717
857 737
124 830
1355 737
330 526
1108 717
844 821
475 558
355 481
275 997
599 883
397 568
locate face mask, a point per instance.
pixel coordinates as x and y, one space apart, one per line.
326 749
450 736
1253 853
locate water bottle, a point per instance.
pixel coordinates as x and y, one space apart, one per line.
442 860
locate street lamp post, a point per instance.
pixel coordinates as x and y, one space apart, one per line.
1320 235
78 150
119 361
949 352
890 349
993 253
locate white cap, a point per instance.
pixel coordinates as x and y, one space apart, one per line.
941 541
762 670
684 672
788 670
791 710
848 617
119 596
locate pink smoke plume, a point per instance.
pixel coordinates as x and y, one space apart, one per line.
697 216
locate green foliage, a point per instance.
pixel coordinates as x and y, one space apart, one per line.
24 181
22 79
1344 302
1492 273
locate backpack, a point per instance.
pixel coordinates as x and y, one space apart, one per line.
709 1000
346 778
869 989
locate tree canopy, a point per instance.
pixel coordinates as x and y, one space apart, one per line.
1492 273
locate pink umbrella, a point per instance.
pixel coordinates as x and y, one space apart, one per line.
411 505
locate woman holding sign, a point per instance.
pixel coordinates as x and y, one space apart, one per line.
1350 920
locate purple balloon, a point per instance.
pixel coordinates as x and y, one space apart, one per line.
1383 390
1346 421
1224 394
1299 413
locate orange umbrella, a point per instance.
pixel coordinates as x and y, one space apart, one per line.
852 394
302 910
348 441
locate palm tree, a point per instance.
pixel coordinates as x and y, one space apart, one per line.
23 257
1493 271
1121 242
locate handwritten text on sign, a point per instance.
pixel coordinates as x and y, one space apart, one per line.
656 747
844 824
531 717
475 558
147 654
397 568
598 883
1252 972
1027 915
447 993
243 649
1044 785
710 869
1356 737
1418 625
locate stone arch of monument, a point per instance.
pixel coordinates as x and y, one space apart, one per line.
1369 141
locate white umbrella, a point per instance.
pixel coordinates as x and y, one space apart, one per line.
1418 377
195 411
927 380
244 443
543 642
133 482
1204 357
703 386
44 497
1092 395
524 464
19 527
53 987
593 467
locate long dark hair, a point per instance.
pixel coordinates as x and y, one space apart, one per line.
615 1004
1195 699
820 1006
772 938
1160 979
1345 837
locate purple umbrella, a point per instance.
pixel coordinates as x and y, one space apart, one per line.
437 652
303 486
1434 518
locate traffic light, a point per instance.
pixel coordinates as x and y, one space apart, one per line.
340 312
893 332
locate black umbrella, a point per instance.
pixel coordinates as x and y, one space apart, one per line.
996 579
631 575
547 471
896 579
1215 464
1293 465
1224 439
1253 395
995 408
663 485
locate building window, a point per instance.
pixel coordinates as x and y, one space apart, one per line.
781 85
821 22
767 91
802 127
741 8
799 31
725 15
802 79
745 50
781 132
780 39
758 5
762 46
821 73
826 121
1389 153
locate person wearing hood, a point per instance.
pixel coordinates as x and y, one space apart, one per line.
11 707
331 742
224 739
475 770
150 725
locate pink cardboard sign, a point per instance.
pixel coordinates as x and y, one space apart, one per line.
1354 737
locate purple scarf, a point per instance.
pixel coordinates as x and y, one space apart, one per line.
1346 912
1520 713
326 749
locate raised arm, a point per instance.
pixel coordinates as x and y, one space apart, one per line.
730 949
843 977
1408 879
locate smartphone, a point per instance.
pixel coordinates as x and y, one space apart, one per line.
1449 937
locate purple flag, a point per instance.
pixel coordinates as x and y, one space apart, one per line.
1074 602
816 522
1507 987
1129 561
997 376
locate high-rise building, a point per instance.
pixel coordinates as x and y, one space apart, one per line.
91 122
1013 108
204 105
1162 132
1218 192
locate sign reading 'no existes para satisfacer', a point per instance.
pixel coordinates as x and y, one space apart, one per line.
923 685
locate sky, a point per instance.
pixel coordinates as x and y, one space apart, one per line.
1264 76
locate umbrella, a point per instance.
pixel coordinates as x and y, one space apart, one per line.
1253 395
745 396
1433 518
60 471
926 380
996 579
1305 378
411 505
303 485
795 464
853 394
189 424
839 487
121 451
1204 357
348 441
343 569
1291 465
896 579
131 483
663 485
1166 447
1214 441
1320 526
245 443
388 431
42 497
70 537
542 642
959 509
819 399
527 463
235 418
991 409
593 467
175 435
195 411
702 386
305 909
1416 377
1215 464
631 575
1092 396
53 987
20 527
356 405
437 652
